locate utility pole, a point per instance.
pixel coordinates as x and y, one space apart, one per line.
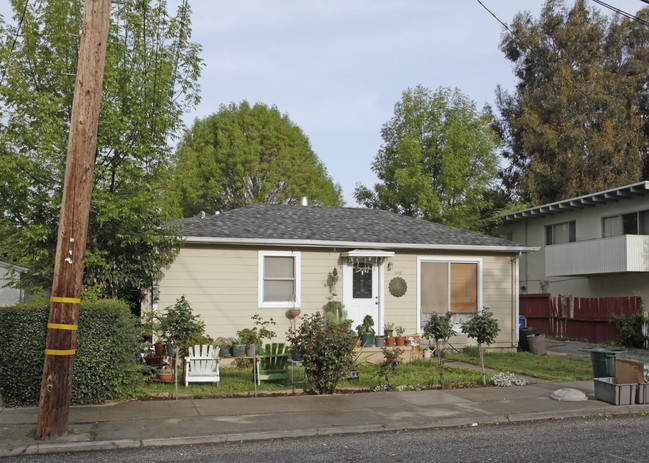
54 405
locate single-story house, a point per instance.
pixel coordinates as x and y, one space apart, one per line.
595 245
269 258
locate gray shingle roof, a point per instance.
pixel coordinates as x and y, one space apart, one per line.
264 222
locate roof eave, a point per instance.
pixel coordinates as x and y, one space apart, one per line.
591 200
353 244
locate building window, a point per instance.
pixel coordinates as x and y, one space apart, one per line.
279 279
362 280
634 223
453 286
560 233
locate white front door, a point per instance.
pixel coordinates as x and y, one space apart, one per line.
361 291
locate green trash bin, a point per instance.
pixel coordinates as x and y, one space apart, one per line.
603 360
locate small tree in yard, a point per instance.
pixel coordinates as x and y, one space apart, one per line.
483 328
181 328
391 360
327 349
439 328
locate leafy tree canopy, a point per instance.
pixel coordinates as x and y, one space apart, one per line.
578 120
151 74
246 154
438 159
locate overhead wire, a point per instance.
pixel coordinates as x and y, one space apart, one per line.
622 12
532 51
13 44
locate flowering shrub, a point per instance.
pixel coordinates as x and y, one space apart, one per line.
507 379
327 349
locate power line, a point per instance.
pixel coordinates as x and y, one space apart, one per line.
13 44
531 50
622 12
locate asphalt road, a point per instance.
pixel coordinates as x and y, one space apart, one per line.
599 439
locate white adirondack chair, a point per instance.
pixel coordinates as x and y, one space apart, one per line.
202 364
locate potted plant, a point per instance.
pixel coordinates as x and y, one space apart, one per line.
400 338
166 375
334 275
224 346
151 329
388 329
294 312
249 337
366 331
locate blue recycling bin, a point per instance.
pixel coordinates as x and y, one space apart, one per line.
522 321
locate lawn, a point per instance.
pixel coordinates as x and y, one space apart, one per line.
419 374
537 366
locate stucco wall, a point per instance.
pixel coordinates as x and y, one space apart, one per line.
588 226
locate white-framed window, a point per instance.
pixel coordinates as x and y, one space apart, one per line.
279 279
448 285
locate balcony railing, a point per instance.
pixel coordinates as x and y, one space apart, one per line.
618 254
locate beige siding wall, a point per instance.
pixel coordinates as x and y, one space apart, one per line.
221 285
498 295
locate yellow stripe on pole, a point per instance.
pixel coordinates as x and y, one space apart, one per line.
59 352
69 300
61 326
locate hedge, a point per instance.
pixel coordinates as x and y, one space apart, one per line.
105 366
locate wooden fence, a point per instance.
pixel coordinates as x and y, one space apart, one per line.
576 318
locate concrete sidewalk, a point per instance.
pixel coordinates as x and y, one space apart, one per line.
197 421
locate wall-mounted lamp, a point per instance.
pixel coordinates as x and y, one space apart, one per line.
390 265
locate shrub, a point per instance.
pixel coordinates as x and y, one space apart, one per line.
105 364
630 329
391 361
327 349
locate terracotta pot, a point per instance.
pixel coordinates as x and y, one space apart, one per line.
401 341
166 377
390 340
294 313
159 348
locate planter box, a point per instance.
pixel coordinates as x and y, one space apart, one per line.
642 394
607 390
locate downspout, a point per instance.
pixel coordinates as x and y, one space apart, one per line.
515 296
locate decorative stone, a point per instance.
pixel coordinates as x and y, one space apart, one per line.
568 395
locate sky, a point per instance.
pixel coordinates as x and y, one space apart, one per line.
337 67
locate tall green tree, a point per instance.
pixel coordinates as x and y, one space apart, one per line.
246 154
577 121
151 74
438 159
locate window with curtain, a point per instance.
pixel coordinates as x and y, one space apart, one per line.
448 286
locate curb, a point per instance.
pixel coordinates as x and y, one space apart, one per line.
66 447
